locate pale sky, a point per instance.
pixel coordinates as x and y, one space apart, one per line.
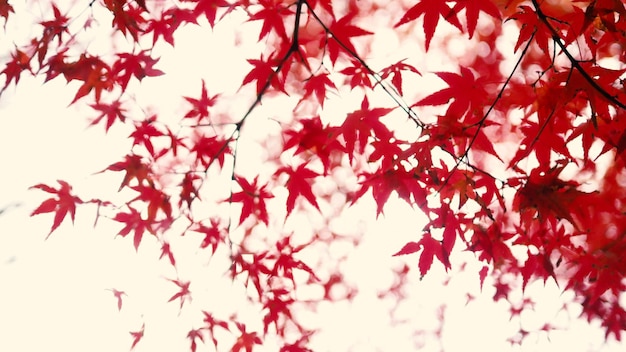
55 296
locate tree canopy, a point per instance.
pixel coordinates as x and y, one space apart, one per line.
514 153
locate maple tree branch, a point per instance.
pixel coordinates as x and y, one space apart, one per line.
575 63
379 81
461 159
239 125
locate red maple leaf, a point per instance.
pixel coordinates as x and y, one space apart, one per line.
314 138
211 323
395 71
93 72
213 235
61 205
359 75
118 295
5 9
135 169
139 65
386 180
208 8
431 10
20 61
193 335
133 222
183 294
359 125
137 336
252 198
342 31
430 247
156 200
317 85
273 15
469 93
278 304
246 340
201 106
166 251
143 133
127 18
209 149
531 26
264 75
110 111
297 185
473 9
189 191
168 23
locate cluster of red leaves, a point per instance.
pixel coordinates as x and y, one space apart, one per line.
561 105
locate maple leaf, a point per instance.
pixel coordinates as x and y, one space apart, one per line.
482 275
213 234
110 111
430 247
297 185
143 133
211 323
342 31
551 197
252 198
193 335
93 72
602 77
201 106
317 85
168 23
432 10
409 248
156 200
255 269
386 180
537 265
314 138
469 93
188 192
327 5
451 225
208 8
118 295
360 75
359 125
531 26
127 18
5 9
272 14
166 251
395 71
133 222
473 9
55 28
139 65
209 149
264 75
277 303
285 261
135 169
246 340
61 205
137 335
184 292
20 61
